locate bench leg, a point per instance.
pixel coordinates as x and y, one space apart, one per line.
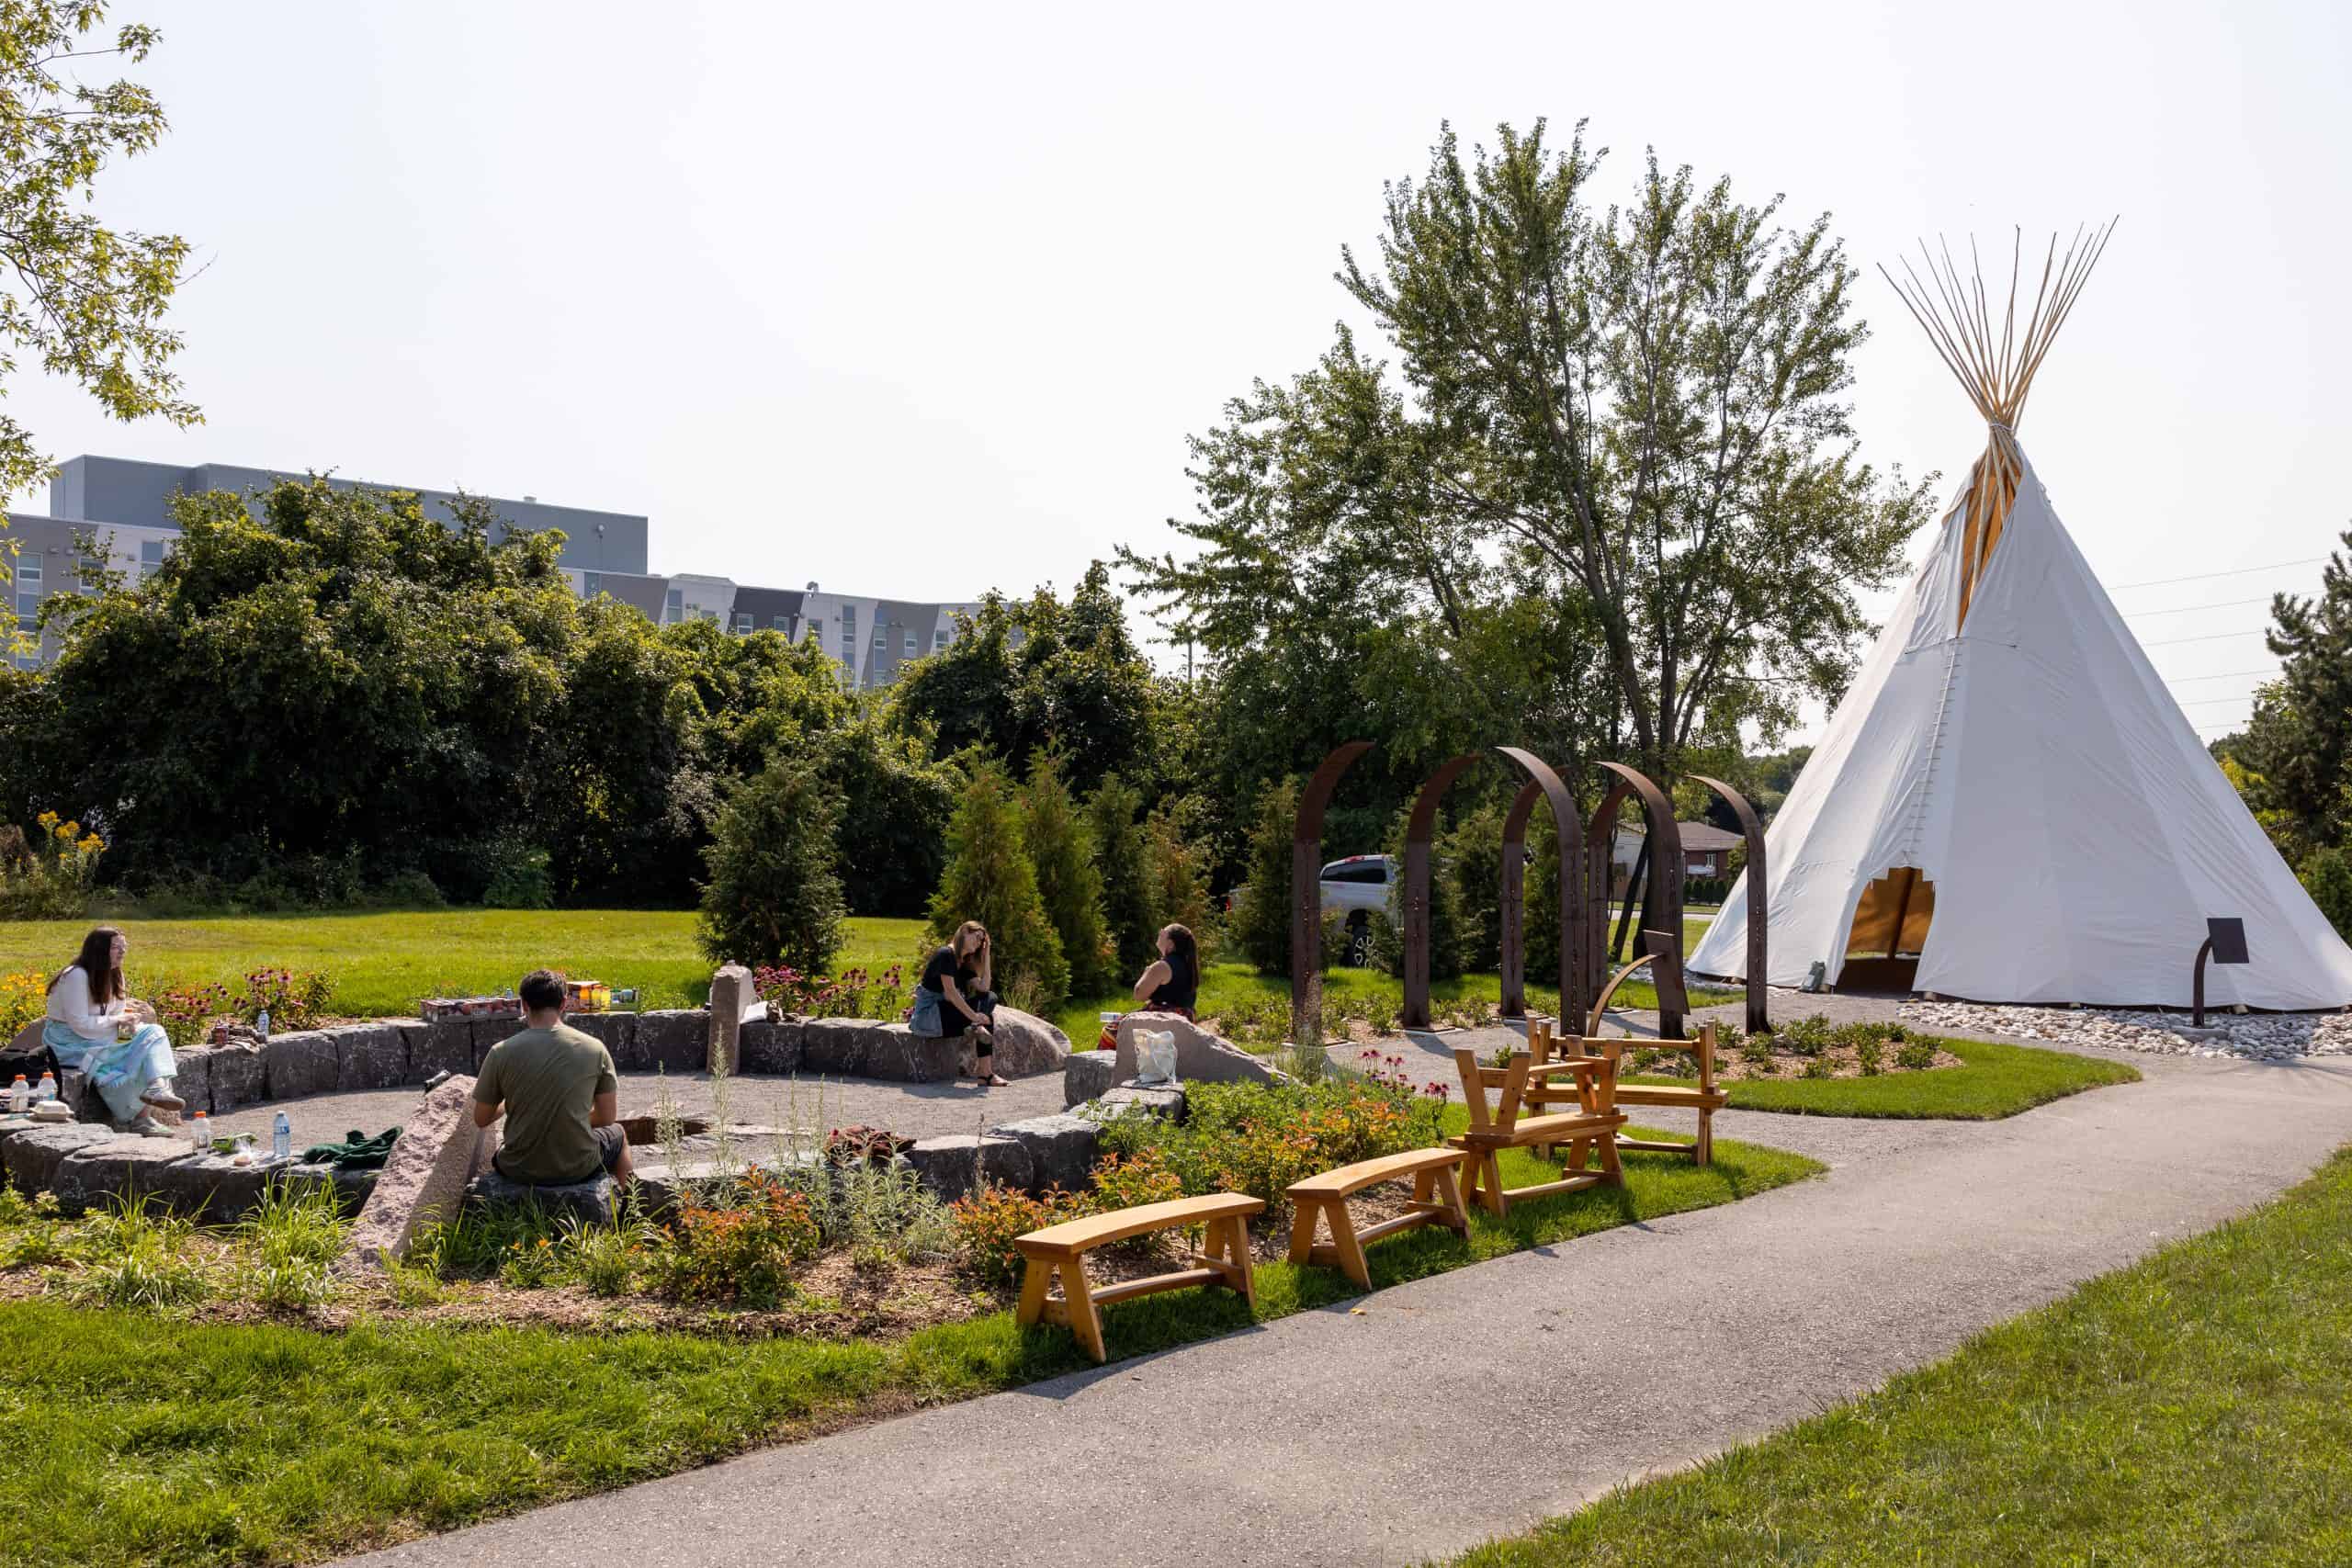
1705 1151
1611 1164
1302 1230
1489 1176
1237 1252
1449 1191
1033 1282
1351 1250
1079 1301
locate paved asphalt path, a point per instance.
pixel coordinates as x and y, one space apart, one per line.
1474 1403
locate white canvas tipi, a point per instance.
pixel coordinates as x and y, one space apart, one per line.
2008 791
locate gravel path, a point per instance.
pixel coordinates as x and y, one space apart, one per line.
1459 1408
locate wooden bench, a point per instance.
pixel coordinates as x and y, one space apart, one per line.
1062 1248
1706 1097
1437 1201
1591 1127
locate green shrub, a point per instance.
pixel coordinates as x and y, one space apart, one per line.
1180 862
1916 1054
2327 875
990 878
1870 1054
604 1259
1806 1037
743 1251
294 998
1261 913
134 1254
1123 853
1259 1138
773 896
988 1222
896 803
1061 847
1816 1068
521 882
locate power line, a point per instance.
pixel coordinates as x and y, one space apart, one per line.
2188 609
2202 576
2207 702
2208 637
2224 676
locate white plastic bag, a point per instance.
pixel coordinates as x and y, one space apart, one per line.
1155 1055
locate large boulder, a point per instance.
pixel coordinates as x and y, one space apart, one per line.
117 1167
772 1046
730 993
953 1168
1061 1149
1089 1075
192 1077
33 1156
674 1040
617 1032
369 1055
1164 1101
236 1073
440 1151
588 1202
487 1032
899 1053
1201 1057
837 1047
447 1047
298 1064
1026 1044
214 1186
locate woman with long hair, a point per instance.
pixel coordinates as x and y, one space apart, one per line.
1170 983
95 1026
964 973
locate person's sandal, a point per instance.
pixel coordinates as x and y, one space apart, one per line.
159 1101
146 1127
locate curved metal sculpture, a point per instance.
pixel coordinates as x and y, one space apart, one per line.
1758 892
1663 901
1306 894
1575 978
1418 828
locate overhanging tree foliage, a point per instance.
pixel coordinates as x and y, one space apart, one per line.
2299 740
1634 414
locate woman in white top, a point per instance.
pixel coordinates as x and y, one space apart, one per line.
92 1026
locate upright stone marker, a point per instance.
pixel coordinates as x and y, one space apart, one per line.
440 1151
730 993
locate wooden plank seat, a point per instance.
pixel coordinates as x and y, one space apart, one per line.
1589 1129
1437 1201
1062 1248
1706 1097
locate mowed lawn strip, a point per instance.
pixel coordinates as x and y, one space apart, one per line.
146 1440
1991 1082
2189 1409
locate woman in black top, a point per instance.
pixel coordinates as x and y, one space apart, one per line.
1173 983
963 973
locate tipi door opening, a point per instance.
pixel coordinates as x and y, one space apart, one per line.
1890 932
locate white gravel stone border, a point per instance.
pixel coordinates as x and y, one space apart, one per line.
2271 1036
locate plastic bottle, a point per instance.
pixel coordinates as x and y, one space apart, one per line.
47 1090
199 1133
281 1138
261 1025
20 1095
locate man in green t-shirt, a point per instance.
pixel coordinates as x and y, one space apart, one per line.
558 1091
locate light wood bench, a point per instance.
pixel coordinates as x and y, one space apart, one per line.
1706 1097
1062 1248
1437 1201
1591 1127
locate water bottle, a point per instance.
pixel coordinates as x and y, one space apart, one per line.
20 1095
281 1138
199 1133
261 1025
48 1089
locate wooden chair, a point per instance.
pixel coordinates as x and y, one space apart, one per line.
1437 1201
1062 1249
1591 1127
1706 1097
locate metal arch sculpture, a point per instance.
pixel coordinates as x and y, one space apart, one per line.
1418 828
1665 870
1306 894
1758 892
1542 780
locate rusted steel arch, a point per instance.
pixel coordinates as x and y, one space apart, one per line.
1665 866
1418 827
1759 893
1306 893
1541 780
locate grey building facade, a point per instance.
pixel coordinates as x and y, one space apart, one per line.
116 512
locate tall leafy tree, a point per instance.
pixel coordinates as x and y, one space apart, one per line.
990 878
774 895
83 301
894 820
2299 740
1636 415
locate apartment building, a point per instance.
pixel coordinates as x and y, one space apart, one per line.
116 512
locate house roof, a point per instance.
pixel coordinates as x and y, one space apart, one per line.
1698 838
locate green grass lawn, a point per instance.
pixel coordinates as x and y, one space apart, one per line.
1991 1082
2189 1409
135 1438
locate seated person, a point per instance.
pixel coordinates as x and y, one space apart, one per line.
1171 983
95 1027
560 1094
962 973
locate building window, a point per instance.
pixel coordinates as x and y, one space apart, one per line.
816 631
939 641
849 634
674 606
591 584
85 570
742 623
880 642
910 646
150 555
783 624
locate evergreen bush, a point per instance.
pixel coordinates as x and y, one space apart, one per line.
1179 863
773 896
1123 854
990 878
1061 847
1261 913
2328 877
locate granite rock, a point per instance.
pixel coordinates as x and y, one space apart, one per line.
447 1047
730 993
489 1032
192 1077
1026 1044
1201 1057
1061 1149
1089 1075
895 1051
298 1063
589 1203
440 1151
214 1186
617 1032
115 1168
836 1047
369 1055
236 1074
34 1156
1164 1101
953 1167
773 1046
674 1040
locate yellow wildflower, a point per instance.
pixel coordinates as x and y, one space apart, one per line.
92 845
70 831
47 819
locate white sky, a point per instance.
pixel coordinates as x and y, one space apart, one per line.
924 300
